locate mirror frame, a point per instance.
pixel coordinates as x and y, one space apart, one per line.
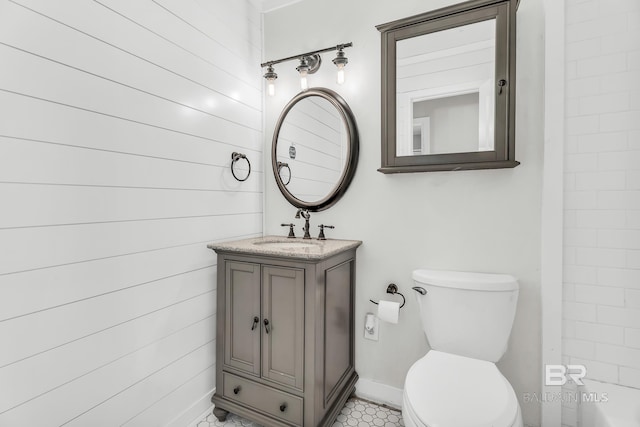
503 154
353 149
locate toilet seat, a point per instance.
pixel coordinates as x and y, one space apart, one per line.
447 390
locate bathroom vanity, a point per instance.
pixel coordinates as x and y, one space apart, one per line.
285 325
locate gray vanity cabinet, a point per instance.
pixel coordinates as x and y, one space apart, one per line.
285 338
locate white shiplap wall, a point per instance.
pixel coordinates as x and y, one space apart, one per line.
601 307
117 124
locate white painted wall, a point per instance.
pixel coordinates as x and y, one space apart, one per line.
117 124
601 197
552 203
467 220
453 123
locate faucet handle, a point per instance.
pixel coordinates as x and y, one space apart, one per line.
291 233
322 227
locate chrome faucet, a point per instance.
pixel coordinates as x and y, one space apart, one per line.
306 215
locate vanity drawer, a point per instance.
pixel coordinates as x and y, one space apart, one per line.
274 402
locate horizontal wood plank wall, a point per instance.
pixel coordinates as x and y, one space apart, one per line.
117 124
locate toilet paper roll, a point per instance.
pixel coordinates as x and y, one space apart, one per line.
388 311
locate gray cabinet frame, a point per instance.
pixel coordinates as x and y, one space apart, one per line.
328 371
503 155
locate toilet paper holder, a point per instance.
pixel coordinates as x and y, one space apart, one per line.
393 289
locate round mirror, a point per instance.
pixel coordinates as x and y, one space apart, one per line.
315 149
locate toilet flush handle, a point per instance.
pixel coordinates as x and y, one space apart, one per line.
420 290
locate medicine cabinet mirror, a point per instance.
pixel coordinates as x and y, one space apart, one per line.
315 146
448 89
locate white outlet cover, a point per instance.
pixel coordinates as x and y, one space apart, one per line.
372 336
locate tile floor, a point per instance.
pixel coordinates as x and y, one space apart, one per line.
356 413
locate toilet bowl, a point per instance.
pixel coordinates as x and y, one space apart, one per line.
467 318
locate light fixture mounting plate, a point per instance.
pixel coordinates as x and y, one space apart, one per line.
314 62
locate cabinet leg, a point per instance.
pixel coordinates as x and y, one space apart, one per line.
220 414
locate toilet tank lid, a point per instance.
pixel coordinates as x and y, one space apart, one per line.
466 280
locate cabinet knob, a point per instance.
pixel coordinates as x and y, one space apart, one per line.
501 83
256 320
266 325
283 407
236 390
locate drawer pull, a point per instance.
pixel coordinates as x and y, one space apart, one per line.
266 325
283 407
255 322
236 390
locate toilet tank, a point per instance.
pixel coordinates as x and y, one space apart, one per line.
464 313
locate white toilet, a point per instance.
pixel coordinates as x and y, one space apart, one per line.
467 318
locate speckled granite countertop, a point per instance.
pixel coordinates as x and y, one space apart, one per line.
286 248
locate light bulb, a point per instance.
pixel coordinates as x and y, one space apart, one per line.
340 75
340 61
303 69
271 76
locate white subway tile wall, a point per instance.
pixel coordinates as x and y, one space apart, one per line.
601 199
118 120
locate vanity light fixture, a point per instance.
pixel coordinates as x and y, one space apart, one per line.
303 69
340 61
271 76
309 63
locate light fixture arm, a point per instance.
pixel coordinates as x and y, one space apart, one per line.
307 54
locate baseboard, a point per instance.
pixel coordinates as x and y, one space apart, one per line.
379 393
203 414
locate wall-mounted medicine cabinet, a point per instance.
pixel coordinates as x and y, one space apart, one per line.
448 89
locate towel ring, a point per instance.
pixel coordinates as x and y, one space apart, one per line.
234 158
393 289
282 165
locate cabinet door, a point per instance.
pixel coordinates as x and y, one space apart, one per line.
242 319
283 325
